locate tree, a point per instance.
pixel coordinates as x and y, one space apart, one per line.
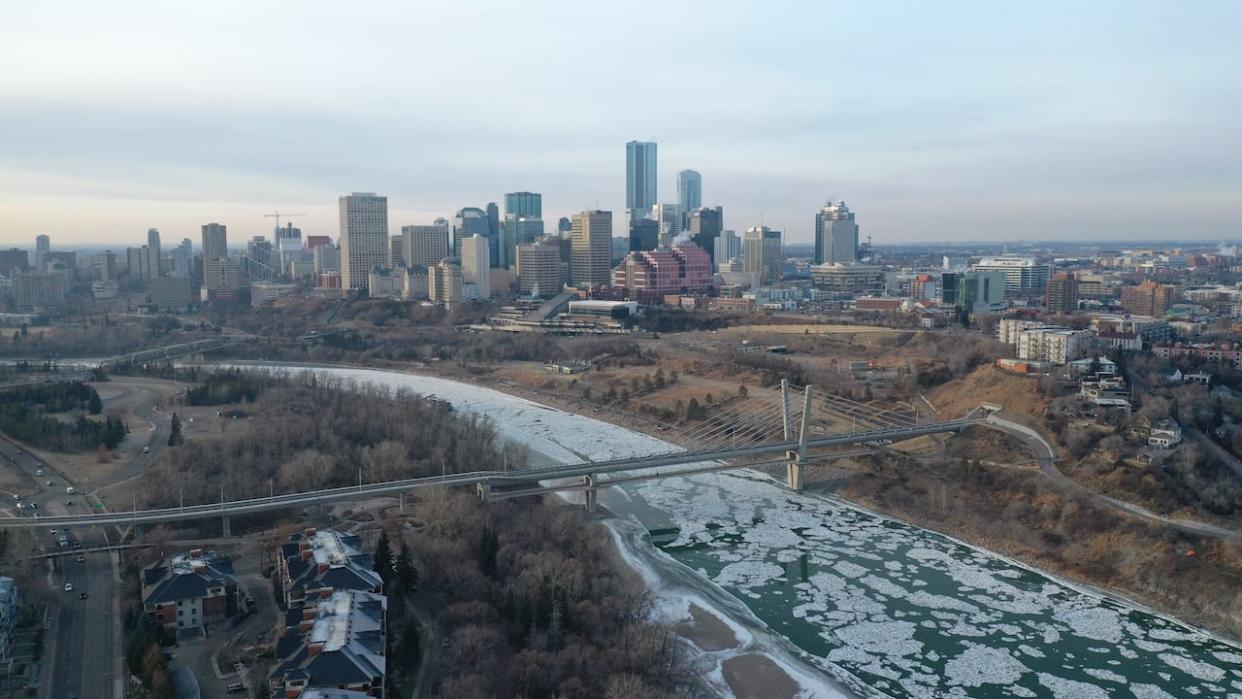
174 431
94 404
741 391
383 557
406 573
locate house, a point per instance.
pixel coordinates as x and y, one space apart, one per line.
338 645
189 591
8 615
1164 434
314 563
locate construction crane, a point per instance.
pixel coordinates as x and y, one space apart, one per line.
276 215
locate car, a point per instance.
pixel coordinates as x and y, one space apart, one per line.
235 688
77 544
53 530
21 506
68 502
68 587
34 505
39 472
81 558
17 496
49 482
146 450
81 595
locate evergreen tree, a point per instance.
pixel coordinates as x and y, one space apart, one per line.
174 431
94 404
406 573
383 558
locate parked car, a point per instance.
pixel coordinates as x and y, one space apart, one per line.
81 595
146 450
68 587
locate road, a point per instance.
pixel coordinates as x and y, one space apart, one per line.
1045 453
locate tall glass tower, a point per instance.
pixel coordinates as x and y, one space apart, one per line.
689 190
640 177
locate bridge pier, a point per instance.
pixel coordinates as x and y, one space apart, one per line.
793 471
484 489
592 496
227 529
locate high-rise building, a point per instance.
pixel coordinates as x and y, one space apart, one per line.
14 259
136 263
43 245
476 267
221 277
669 219
728 246
563 226
644 234
444 281
591 262
154 261
1148 299
469 221
539 269
288 238
973 292
1023 275
762 253
705 227
396 250
215 241
426 245
31 290
524 204
517 230
689 191
640 177
836 234
314 241
327 258
364 237
1062 296
107 266
182 259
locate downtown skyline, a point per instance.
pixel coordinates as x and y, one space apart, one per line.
1108 122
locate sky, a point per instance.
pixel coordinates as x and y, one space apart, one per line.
939 121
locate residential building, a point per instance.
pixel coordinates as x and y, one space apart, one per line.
644 234
43 245
426 245
689 191
973 292
396 250
524 204
1222 353
848 277
1055 345
182 259
221 277
316 562
705 227
1009 329
364 237
314 241
476 266
136 263
1165 434
31 290
327 258
9 604
925 286
154 261
836 234
189 591
539 269
108 270
14 259
1062 294
640 177
215 242
654 273
1148 299
171 294
763 254
444 281
1023 275
591 239
337 645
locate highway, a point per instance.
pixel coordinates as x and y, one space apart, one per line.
491 478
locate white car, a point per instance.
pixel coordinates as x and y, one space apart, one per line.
146 450
68 587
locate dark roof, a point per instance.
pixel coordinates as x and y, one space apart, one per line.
173 580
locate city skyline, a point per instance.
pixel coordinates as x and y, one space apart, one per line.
1060 134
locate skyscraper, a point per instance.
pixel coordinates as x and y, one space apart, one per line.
1062 294
836 234
669 218
689 190
705 227
181 259
154 263
425 245
525 204
728 246
107 266
591 261
364 237
517 230
469 221
215 242
644 234
539 269
640 177
476 268
563 226
43 245
762 254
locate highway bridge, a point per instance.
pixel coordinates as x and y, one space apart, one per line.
588 477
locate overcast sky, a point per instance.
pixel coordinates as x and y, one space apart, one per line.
933 121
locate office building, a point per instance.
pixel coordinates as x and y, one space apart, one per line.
171 294
680 268
1148 299
563 226
396 250
689 191
221 277
314 241
364 237
640 177
644 234
135 263
848 278
326 258
669 218
182 259
468 222
1023 275
539 269
973 292
476 266
591 240
14 259
705 227
524 204
43 245
493 230
215 241
444 280
425 245
1062 294
518 230
836 234
108 271
154 257
762 253
30 290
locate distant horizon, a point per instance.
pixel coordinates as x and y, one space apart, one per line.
955 121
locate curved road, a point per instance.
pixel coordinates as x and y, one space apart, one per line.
1045 453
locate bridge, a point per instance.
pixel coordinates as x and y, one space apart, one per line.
795 451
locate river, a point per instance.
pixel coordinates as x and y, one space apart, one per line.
841 597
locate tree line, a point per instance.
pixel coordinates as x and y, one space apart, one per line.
25 416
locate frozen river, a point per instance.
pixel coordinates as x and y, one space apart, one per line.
837 595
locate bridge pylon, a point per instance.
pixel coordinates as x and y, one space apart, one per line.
592 495
484 489
793 467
